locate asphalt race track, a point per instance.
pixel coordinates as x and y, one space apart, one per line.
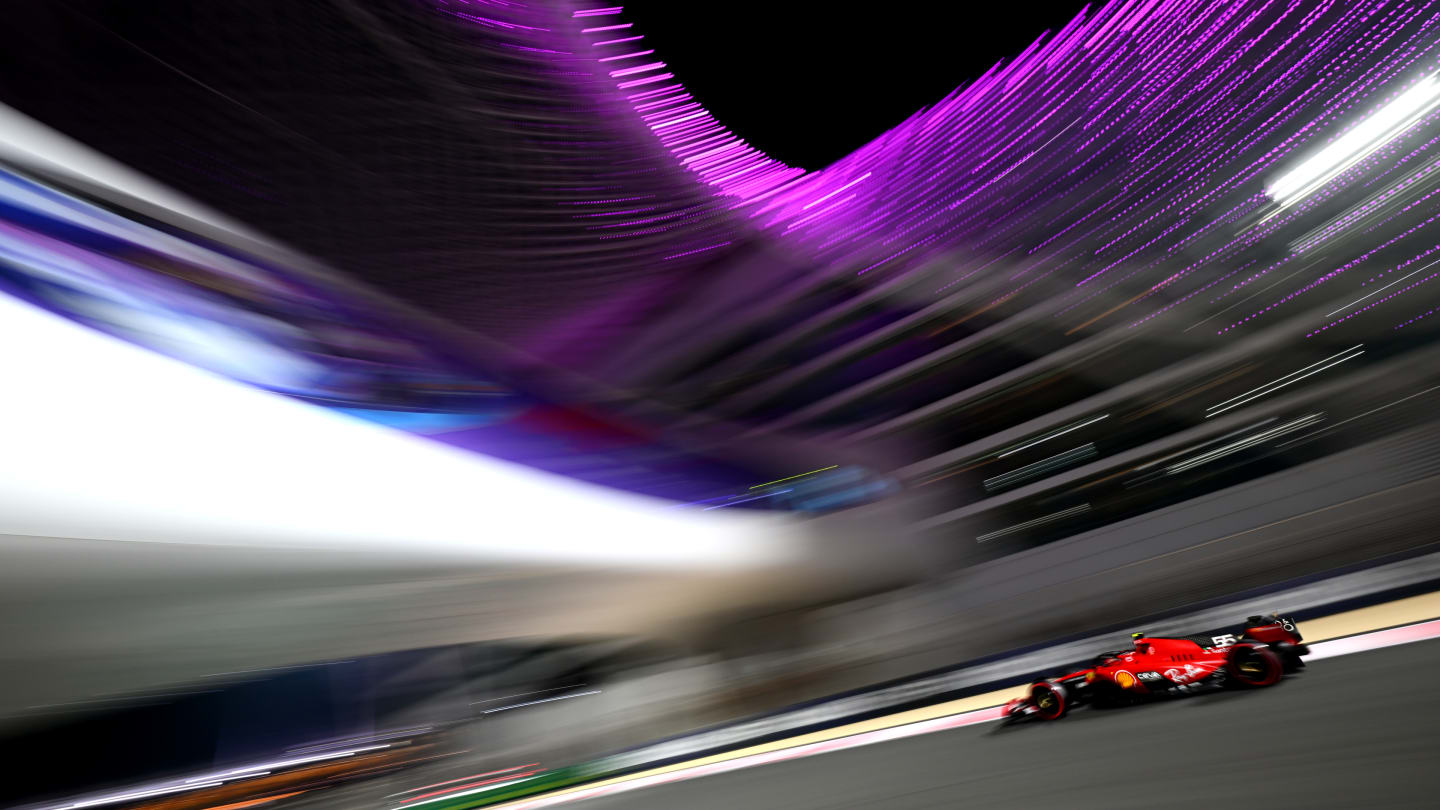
1358 731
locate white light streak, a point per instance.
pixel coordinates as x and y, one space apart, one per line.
252 770
1084 451
352 741
1329 428
1147 465
747 500
545 700
1251 441
1063 513
1012 451
298 476
1382 289
1276 384
814 203
140 794
521 694
1360 142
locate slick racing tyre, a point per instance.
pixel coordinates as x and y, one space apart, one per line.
1251 666
1050 700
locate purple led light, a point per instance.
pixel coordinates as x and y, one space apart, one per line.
745 173
627 55
1120 163
637 69
614 41
648 80
697 250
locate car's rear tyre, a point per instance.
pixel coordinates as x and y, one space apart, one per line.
1050 700
1251 666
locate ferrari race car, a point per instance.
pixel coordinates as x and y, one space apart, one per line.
1258 655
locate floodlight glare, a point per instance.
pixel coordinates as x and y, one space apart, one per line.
1384 126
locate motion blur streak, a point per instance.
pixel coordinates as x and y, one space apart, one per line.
368 512
1367 136
342 484
544 700
25 141
467 778
854 737
254 802
1341 746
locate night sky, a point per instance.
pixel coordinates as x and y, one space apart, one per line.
806 82
809 82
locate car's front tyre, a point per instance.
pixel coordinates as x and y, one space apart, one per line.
1051 700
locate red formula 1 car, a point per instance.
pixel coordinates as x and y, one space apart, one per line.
1258 655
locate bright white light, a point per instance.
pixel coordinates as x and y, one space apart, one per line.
105 440
1042 466
1248 442
1383 289
30 143
125 797
1063 513
1283 382
537 702
1047 437
1360 142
